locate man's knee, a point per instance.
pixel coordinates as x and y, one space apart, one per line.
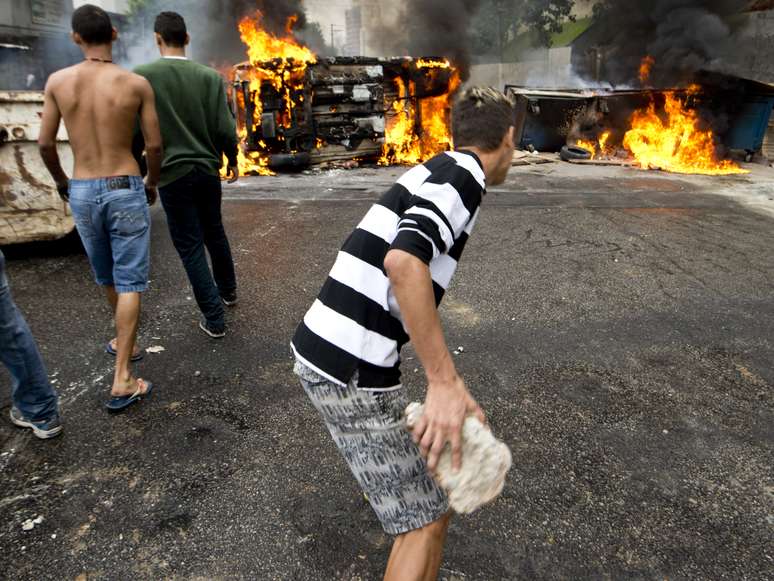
435 530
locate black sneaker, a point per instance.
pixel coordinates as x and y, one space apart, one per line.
212 330
229 299
44 430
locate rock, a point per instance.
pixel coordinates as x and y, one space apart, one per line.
485 462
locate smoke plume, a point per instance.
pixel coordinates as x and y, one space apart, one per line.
212 25
427 28
683 36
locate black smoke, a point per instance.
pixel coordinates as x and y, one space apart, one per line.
683 36
213 24
429 28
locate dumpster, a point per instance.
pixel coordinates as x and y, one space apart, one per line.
30 207
748 127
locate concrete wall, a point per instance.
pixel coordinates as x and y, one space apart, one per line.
545 68
759 32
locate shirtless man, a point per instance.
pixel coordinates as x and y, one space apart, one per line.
100 103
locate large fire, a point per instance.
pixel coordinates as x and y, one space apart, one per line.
674 141
288 61
412 135
417 122
670 137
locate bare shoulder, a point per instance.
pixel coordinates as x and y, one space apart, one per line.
137 82
61 77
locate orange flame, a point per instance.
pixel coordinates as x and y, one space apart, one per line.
674 141
281 61
645 67
263 46
410 140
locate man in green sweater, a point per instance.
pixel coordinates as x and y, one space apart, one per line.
198 130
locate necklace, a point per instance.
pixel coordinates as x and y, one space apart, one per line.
88 58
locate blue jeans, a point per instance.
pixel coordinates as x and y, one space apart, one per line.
192 204
113 221
32 393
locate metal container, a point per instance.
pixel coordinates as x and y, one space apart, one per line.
30 208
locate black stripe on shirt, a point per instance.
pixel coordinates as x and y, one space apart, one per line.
365 312
438 291
420 202
461 180
459 246
324 354
367 247
396 199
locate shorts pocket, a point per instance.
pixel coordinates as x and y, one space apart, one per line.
82 218
129 220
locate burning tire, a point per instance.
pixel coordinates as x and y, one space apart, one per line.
573 152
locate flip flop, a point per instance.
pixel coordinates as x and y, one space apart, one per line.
134 358
119 404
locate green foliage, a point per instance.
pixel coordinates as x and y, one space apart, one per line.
499 21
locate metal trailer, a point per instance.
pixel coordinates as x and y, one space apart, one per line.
30 207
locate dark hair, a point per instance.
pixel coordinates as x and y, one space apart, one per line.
171 27
92 24
481 117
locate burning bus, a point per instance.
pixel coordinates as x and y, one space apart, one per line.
294 109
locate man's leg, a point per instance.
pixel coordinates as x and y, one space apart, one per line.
32 394
127 321
112 298
209 203
128 218
416 555
188 238
369 431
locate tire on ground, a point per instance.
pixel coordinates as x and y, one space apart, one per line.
572 152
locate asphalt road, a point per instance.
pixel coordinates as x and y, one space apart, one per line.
618 332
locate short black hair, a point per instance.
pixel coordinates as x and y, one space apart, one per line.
481 117
171 27
92 24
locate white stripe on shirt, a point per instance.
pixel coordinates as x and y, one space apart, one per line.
469 163
447 199
346 334
413 179
381 222
362 277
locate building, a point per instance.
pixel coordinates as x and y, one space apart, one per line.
34 42
354 32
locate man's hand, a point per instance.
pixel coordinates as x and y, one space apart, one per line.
447 405
232 174
63 188
151 193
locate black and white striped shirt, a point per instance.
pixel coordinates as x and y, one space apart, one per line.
355 323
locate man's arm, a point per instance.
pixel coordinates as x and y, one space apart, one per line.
149 123
448 401
49 127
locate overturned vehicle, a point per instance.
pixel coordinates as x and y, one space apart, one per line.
293 114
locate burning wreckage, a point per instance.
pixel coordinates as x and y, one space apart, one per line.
294 110
688 130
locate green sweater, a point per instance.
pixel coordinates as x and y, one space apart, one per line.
197 126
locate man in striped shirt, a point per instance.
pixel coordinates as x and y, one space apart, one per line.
384 290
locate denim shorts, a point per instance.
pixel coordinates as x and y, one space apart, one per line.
369 430
113 221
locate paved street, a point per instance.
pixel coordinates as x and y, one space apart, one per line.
617 329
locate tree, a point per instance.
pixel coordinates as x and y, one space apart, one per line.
498 21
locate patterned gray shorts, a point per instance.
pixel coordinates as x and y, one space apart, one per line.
369 430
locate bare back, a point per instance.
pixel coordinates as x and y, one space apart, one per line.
100 104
